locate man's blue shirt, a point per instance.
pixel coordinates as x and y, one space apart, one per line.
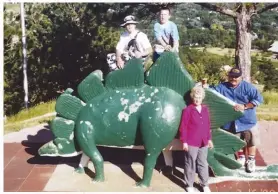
164 31
242 94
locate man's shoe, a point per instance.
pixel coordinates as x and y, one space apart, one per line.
190 189
242 161
251 165
206 189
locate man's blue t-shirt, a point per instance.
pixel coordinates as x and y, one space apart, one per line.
242 94
166 32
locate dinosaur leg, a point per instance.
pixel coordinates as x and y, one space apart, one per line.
82 164
97 160
85 137
154 144
149 164
156 133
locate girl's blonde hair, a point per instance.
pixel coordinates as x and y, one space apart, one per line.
197 91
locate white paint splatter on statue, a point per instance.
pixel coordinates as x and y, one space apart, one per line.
134 107
71 136
60 146
123 116
148 100
68 122
124 101
168 113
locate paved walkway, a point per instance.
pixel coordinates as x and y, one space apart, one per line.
25 171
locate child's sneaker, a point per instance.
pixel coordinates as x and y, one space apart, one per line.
206 189
251 165
190 189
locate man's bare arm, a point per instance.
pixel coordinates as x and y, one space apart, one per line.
161 41
120 62
176 45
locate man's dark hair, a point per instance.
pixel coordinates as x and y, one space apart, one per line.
165 8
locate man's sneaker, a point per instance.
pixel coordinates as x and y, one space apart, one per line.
206 189
242 161
251 165
190 189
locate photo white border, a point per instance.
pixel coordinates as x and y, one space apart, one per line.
83 1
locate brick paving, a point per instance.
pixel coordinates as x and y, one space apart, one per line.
25 171
21 175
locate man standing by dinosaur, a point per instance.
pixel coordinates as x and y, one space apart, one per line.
247 98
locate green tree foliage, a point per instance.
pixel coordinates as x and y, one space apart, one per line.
265 72
262 44
212 37
12 64
64 43
242 14
201 64
67 41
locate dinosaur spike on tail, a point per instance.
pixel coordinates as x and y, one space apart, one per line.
221 108
64 143
227 161
225 142
68 106
91 86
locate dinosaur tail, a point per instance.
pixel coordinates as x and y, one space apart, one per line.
67 108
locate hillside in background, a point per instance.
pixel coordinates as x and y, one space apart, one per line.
201 26
65 41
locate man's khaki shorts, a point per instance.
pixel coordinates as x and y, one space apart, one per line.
251 136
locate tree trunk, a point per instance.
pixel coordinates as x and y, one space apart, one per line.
243 44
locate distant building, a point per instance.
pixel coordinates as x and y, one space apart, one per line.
274 49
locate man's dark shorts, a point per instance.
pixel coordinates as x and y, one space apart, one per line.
251 136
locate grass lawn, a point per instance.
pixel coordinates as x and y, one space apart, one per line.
32 112
15 7
21 125
25 118
267 111
230 52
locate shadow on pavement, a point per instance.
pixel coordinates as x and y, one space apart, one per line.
34 142
121 157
